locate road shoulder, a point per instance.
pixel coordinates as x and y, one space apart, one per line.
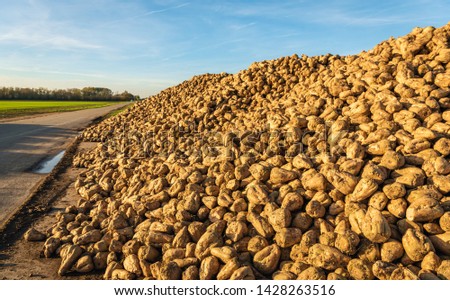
20 259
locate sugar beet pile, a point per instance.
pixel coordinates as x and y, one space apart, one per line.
327 167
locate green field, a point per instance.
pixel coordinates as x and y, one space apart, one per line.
17 108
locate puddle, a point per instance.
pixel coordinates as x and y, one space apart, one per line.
47 166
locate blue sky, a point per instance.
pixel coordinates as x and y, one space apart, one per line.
146 46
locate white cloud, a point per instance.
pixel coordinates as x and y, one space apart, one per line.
29 38
151 12
238 26
48 71
33 24
344 13
144 14
342 17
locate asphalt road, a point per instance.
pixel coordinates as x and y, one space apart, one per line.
26 142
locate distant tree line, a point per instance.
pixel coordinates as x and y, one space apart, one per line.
87 93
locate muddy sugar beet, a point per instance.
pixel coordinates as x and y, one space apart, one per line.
327 167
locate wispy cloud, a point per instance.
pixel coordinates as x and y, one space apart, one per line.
55 72
151 12
147 13
249 9
36 28
347 13
336 16
30 38
238 27
203 49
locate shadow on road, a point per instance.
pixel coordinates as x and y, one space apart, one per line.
23 146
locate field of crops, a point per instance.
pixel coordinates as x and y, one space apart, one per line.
16 108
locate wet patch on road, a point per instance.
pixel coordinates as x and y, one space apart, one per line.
47 165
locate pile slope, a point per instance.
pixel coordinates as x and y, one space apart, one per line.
327 167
